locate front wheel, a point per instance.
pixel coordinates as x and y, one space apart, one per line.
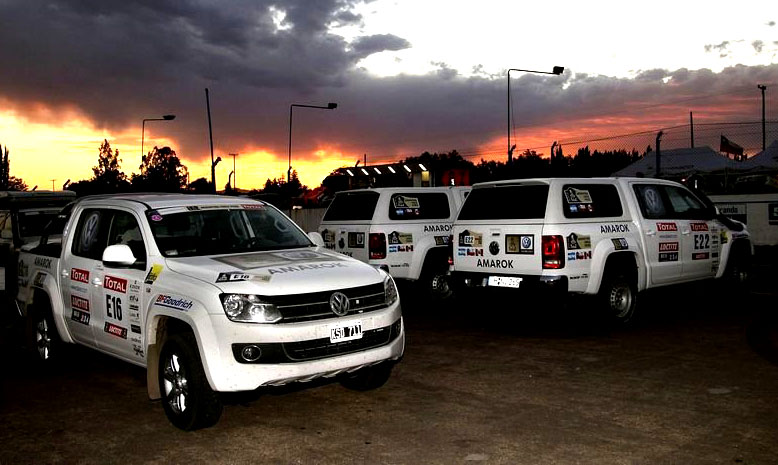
187 398
618 295
368 378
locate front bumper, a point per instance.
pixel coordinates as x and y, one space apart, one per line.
226 374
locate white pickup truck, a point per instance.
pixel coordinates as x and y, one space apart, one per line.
211 294
610 237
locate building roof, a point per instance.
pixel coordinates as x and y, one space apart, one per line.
764 160
681 162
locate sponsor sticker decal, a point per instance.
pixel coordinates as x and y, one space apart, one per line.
135 329
112 283
578 241
115 330
396 237
153 274
620 243
668 246
80 317
401 201
668 256
232 276
699 226
574 195
79 303
470 239
310 266
77 274
441 240
666 227
39 279
177 303
356 240
520 244
700 256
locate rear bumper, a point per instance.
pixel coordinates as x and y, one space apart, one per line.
529 283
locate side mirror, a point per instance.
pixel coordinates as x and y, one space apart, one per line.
316 238
118 255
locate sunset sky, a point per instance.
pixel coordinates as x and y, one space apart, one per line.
408 76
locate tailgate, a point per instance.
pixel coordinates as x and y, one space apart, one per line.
348 239
498 248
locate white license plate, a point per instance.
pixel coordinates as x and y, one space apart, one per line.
346 332
504 281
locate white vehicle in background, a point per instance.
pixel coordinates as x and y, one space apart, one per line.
211 294
610 237
403 229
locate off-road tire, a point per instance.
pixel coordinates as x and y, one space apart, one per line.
43 341
187 398
618 297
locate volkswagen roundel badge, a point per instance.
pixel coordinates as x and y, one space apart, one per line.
339 303
494 248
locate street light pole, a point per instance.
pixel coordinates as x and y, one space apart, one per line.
234 173
557 70
763 88
330 106
143 129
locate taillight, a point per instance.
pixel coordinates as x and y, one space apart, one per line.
450 250
377 244
553 252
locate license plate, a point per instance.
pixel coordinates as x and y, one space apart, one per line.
346 332
504 281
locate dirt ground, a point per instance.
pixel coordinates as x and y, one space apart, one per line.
495 379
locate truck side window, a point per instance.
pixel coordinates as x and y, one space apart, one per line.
685 205
591 201
419 206
125 230
91 234
651 199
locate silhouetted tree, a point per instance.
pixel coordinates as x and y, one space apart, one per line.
8 182
107 177
160 171
200 186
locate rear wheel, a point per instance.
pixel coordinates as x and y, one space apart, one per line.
368 378
187 398
43 340
434 278
618 296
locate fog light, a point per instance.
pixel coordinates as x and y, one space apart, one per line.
251 353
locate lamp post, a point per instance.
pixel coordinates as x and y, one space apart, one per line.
143 129
762 88
330 106
557 70
235 174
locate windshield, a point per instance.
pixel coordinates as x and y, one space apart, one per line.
192 231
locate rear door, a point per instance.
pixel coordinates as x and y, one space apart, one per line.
346 224
499 229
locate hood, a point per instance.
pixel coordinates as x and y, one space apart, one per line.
278 272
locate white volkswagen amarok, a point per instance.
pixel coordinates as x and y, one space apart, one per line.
210 294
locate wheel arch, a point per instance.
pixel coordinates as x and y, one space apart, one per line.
159 329
625 261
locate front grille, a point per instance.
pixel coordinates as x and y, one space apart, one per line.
316 305
290 352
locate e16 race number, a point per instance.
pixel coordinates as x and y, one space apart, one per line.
113 307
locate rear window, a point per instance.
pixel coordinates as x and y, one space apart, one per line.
509 202
591 201
419 206
352 206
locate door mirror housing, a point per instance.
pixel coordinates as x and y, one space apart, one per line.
118 255
316 238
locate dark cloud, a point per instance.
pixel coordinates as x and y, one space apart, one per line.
122 61
771 23
758 45
368 45
721 48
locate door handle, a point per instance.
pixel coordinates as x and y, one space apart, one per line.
65 273
97 281
650 232
685 232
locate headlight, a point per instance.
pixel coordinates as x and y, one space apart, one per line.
390 291
249 309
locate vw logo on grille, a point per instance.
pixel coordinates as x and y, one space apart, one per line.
339 303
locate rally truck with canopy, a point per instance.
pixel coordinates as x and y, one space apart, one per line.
210 294
609 237
403 229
